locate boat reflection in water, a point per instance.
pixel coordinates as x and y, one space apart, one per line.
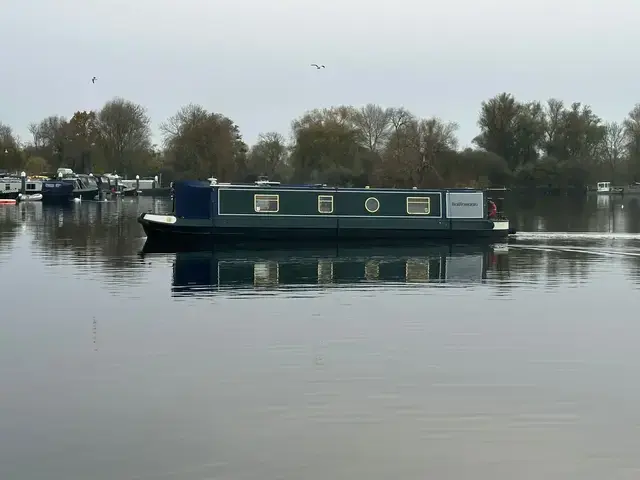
207 273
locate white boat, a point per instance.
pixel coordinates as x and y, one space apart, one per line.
606 188
10 187
34 197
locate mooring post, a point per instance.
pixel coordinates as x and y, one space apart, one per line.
23 183
137 182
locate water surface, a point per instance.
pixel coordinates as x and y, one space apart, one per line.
517 361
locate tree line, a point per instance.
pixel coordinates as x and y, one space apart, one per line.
526 144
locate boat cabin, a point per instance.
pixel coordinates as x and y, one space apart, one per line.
273 200
13 185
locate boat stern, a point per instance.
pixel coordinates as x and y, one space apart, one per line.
503 227
57 190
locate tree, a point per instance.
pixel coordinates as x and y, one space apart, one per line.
632 133
47 132
10 152
83 134
36 165
529 144
50 140
200 144
553 128
269 155
613 154
125 134
326 148
416 147
373 126
582 134
511 129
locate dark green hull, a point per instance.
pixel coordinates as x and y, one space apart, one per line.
191 235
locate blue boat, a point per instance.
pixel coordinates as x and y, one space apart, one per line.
70 188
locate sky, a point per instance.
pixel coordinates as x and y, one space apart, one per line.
250 59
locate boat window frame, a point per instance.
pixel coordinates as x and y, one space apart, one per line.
325 198
413 199
268 197
371 210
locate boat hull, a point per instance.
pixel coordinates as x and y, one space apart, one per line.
65 195
10 195
36 197
171 230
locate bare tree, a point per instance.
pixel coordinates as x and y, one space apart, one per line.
10 157
553 125
34 129
7 139
49 129
372 123
125 130
269 154
177 125
632 130
400 119
201 143
429 138
613 146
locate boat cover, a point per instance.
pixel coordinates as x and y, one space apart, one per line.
193 199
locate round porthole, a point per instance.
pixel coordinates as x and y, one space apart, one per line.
372 205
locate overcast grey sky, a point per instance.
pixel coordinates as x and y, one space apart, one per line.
249 59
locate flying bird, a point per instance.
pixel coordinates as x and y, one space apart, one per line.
93 80
317 66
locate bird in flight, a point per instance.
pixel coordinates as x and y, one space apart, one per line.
93 80
317 66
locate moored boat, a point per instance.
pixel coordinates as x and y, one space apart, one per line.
35 197
606 188
268 211
12 187
67 189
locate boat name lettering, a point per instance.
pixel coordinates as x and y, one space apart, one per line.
465 205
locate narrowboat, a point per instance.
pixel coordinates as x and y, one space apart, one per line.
264 211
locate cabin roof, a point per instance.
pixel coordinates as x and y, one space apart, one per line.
342 189
261 185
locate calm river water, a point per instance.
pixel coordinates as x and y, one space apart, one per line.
519 362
